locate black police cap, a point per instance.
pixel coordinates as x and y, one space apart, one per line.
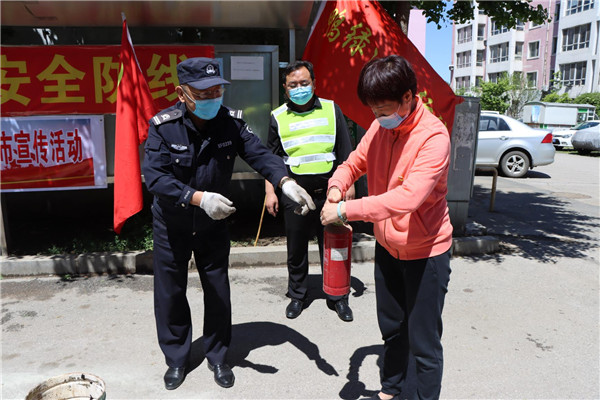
200 73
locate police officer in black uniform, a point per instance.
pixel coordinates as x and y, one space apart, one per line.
190 153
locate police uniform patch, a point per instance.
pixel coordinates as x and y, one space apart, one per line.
166 117
179 147
236 113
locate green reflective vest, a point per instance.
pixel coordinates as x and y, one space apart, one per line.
307 138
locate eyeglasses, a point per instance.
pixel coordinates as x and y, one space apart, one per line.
206 94
293 85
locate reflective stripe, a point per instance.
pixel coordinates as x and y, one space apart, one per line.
308 139
309 158
310 123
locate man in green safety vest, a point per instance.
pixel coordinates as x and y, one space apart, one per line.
311 135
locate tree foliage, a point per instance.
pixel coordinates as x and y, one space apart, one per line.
519 93
506 13
494 96
507 96
557 98
589 98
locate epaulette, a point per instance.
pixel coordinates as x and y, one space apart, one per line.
166 117
235 113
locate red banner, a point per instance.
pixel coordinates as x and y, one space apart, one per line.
43 80
350 33
52 152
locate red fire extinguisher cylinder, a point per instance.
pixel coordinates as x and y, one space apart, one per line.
337 258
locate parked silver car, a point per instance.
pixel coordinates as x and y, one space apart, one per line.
511 146
587 140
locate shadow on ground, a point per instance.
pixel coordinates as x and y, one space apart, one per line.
250 336
534 225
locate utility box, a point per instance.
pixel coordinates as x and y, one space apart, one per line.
462 162
543 115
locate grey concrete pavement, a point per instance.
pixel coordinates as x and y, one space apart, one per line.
514 328
522 322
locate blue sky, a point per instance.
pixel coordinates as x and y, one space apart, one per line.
438 48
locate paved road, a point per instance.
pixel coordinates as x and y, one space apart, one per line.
521 323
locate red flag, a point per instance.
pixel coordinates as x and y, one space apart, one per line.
346 36
135 107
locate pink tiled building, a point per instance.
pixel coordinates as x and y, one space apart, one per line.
562 54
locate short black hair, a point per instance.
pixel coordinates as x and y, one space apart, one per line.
386 78
297 65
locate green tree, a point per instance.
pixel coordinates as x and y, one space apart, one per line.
494 96
557 98
589 98
507 13
519 93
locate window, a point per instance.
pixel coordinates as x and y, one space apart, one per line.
478 80
463 59
497 29
480 58
557 11
519 26
492 123
532 79
533 50
554 45
481 32
577 37
494 77
573 74
465 34
518 50
517 75
499 53
463 82
533 25
577 6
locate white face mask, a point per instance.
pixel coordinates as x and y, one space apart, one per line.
391 121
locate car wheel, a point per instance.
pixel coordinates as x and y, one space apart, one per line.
584 152
514 164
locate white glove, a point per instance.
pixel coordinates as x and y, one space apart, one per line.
297 193
216 206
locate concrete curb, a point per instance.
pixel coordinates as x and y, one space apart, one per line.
140 262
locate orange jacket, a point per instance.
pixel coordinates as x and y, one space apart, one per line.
407 171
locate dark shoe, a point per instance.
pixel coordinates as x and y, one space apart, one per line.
294 308
174 377
343 310
223 375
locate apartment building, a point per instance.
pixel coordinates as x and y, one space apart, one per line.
563 54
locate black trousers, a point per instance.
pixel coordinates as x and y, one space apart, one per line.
172 251
299 230
410 298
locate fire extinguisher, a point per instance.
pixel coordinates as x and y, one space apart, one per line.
337 257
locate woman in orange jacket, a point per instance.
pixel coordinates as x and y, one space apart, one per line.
405 154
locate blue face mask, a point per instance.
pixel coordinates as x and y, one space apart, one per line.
390 121
301 95
206 109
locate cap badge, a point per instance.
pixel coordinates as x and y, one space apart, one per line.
210 70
